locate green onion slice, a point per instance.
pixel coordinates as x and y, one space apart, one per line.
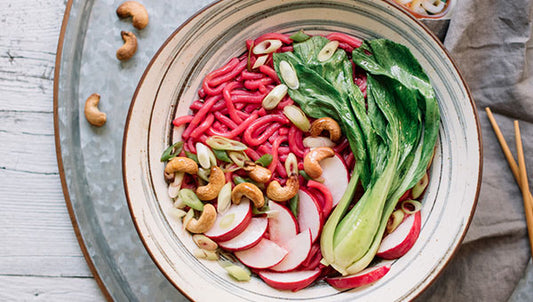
410 206
291 164
239 158
299 36
222 155
294 204
264 209
304 175
189 198
297 117
222 143
191 156
264 160
172 151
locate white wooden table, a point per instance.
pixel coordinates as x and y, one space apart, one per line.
40 259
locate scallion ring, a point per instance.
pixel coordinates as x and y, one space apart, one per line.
264 160
291 164
411 206
222 143
189 198
297 117
239 158
394 221
204 158
299 36
267 46
172 151
327 51
224 198
288 74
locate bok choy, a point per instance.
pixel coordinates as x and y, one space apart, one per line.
392 134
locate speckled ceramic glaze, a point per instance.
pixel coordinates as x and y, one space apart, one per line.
217 34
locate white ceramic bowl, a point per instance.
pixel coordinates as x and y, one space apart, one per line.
210 39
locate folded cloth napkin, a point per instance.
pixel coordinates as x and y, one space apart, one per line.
491 42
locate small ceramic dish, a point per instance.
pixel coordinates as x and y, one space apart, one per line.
439 15
216 34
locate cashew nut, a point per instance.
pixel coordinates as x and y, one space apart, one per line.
128 49
257 172
217 180
135 10
278 193
205 222
328 124
180 164
93 115
312 160
250 191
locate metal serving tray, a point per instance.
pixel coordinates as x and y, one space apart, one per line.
89 158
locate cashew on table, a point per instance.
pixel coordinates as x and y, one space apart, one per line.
128 49
135 10
93 115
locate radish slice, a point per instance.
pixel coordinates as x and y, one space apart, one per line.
281 227
232 222
364 277
249 237
294 280
309 214
333 171
264 255
298 248
401 240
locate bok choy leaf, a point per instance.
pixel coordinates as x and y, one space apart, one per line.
392 135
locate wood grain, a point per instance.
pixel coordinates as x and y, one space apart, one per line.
40 259
34 288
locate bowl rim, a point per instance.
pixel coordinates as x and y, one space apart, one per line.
396 6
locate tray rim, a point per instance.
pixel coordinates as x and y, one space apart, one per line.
64 185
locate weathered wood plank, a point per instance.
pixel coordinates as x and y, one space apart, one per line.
40 259
28 42
29 138
14 288
36 234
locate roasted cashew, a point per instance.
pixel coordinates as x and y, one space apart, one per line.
312 160
205 222
278 193
135 10
217 179
128 49
180 164
328 124
250 191
257 172
93 115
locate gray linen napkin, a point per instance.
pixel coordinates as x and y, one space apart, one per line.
491 42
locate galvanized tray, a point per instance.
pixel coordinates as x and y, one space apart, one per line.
89 158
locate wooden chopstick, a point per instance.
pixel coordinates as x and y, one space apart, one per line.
526 194
508 156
